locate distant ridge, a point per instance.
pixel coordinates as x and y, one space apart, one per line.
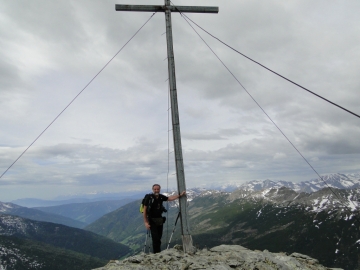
82 198
34 214
86 212
334 180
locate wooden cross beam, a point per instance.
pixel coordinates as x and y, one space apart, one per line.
180 173
185 9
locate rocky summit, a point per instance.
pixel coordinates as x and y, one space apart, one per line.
221 257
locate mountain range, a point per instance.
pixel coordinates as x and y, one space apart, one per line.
319 218
76 215
334 180
85 212
78 198
323 224
34 214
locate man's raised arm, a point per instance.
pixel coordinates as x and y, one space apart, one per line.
174 197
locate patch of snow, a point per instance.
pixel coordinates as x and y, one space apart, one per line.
14 255
354 205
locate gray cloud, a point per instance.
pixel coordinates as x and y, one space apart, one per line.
115 136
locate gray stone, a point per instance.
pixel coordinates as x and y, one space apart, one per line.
223 257
228 248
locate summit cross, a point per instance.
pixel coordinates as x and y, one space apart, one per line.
179 164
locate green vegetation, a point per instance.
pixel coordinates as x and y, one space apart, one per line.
73 239
54 244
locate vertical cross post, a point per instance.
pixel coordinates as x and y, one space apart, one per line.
180 173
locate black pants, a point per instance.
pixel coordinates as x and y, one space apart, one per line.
156 234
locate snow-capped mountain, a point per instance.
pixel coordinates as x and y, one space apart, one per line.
274 191
325 199
336 180
7 208
190 193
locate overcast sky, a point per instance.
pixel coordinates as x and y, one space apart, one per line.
114 137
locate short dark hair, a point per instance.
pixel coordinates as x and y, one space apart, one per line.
156 185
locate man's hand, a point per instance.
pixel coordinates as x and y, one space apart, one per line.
174 197
147 225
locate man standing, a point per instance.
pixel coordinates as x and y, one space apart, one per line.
153 210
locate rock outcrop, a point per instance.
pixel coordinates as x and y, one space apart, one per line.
224 257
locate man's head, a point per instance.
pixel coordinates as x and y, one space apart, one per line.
156 189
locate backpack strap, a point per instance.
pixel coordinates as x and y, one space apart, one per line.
148 199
